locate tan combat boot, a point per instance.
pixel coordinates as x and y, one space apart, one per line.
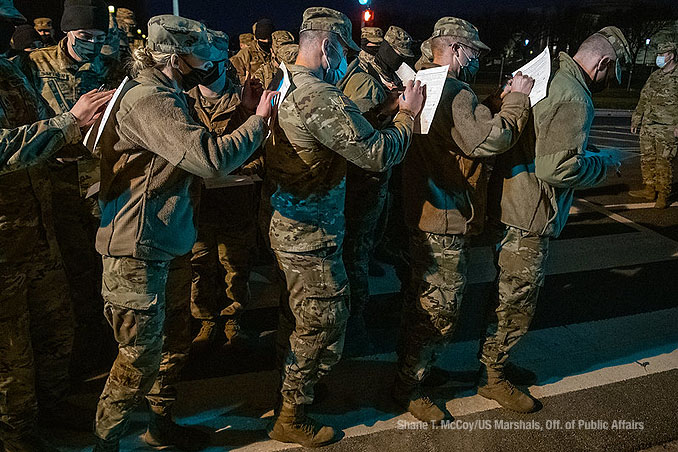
648 193
413 400
207 334
662 202
494 386
293 426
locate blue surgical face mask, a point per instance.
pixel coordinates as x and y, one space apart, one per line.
661 61
470 69
87 50
334 74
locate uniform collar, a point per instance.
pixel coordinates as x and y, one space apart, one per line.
569 66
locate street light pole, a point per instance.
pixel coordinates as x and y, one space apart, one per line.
175 7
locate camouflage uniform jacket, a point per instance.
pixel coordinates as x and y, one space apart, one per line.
446 172
62 81
318 130
532 186
658 100
367 92
151 151
26 137
223 116
251 58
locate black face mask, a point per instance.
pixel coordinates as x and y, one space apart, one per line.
213 74
371 49
6 32
265 46
193 78
388 59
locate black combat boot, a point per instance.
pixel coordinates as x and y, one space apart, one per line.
411 398
163 432
293 426
494 386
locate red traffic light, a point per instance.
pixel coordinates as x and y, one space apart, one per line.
368 15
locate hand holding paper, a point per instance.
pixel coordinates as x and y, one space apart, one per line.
540 70
413 98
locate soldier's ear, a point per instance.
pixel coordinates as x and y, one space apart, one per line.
174 61
604 63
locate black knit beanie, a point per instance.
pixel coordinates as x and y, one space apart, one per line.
84 14
24 36
264 29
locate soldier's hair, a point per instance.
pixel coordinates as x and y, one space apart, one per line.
144 58
310 38
439 44
597 46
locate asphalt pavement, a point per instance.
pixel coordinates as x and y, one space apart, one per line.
604 344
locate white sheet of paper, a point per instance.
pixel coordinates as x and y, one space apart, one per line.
284 85
540 70
406 73
232 180
105 116
434 80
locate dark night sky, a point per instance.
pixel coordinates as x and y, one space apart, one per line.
236 16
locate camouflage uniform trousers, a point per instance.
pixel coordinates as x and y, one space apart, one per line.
147 303
36 337
366 195
656 141
313 323
520 258
76 223
431 309
230 246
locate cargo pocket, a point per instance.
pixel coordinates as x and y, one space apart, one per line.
134 294
326 301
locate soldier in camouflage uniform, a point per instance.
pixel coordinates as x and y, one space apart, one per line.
267 71
43 25
319 130
149 191
128 23
256 54
656 116
36 323
370 40
531 193
62 74
445 176
227 226
372 85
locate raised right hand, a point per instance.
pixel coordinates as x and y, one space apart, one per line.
413 98
265 108
521 84
90 107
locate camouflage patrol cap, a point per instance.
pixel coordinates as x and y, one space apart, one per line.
426 51
374 35
125 16
42 24
399 40
287 53
219 42
246 38
619 43
175 34
10 13
279 38
668 46
326 19
459 28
